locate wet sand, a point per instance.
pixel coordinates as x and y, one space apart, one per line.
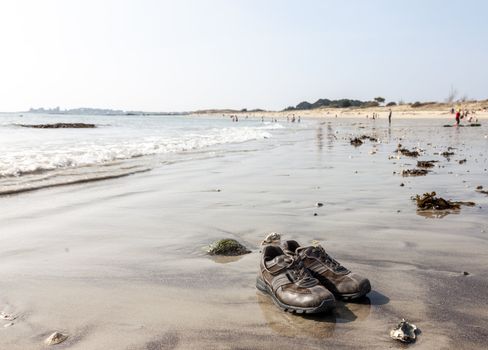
119 264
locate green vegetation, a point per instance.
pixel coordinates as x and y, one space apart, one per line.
324 102
421 104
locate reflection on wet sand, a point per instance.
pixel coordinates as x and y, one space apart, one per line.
330 137
290 325
320 138
319 326
221 259
437 214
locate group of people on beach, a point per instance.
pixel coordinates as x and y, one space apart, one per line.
465 113
377 115
293 119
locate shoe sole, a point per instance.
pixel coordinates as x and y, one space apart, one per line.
325 306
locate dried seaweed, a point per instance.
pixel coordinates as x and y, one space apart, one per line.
407 152
447 154
429 201
415 172
480 190
356 142
370 138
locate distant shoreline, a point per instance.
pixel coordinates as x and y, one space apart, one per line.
437 110
422 110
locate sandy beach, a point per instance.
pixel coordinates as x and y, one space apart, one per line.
441 111
120 264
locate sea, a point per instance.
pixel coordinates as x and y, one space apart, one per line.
120 145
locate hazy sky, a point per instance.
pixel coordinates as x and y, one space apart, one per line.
184 55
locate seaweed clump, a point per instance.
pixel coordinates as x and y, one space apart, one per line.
370 138
447 154
429 201
480 190
426 163
415 172
59 126
227 247
407 152
356 142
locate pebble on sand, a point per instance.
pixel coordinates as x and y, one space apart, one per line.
7 317
55 338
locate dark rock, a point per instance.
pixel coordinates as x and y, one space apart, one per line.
466 273
462 161
59 126
227 247
402 184
318 204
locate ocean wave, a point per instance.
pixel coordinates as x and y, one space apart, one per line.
46 158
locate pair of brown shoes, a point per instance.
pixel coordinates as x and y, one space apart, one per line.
306 279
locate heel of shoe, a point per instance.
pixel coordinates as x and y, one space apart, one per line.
261 285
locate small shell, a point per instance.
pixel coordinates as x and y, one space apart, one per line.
315 243
405 332
55 338
273 237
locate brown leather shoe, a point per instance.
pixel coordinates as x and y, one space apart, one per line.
290 284
331 274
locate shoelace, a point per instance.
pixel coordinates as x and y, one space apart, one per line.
299 273
330 261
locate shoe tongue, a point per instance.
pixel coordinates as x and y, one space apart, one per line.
313 252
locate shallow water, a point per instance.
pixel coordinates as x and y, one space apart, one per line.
120 264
